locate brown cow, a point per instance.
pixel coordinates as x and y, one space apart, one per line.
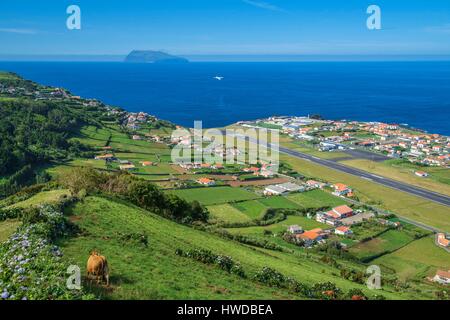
97 266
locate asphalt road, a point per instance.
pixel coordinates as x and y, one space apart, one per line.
416 191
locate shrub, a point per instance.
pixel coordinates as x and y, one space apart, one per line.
205 256
31 266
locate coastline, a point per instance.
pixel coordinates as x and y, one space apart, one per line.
169 91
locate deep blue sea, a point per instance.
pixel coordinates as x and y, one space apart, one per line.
415 93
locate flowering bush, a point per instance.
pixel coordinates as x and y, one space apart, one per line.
31 266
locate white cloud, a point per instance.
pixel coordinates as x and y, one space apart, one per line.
263 5
18 31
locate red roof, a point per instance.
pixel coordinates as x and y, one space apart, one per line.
340 187
332 214
443 274
343 210
343 229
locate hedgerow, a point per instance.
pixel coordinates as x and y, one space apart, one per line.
205 256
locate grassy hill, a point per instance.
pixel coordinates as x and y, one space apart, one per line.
155 271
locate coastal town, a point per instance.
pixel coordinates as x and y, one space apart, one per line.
391 140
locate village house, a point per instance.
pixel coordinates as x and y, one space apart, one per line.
105 157
313 184
442 277
146 163
295 229
311 237
335 216
421 174
127 167
206 182
343 231
341 189
253 170
136 137
442 240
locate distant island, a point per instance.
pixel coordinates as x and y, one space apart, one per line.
146 56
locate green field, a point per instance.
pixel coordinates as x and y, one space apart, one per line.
388 241
253 209
156 272
52 196
316 199
417 260
214 195
7 228
278 202
226 213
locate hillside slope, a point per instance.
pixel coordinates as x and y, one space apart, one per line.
156 272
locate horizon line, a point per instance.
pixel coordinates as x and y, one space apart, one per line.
233 57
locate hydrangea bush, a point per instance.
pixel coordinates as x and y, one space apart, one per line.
30 264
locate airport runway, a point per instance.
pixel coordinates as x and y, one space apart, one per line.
417 191
401 186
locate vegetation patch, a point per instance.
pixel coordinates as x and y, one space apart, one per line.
214 195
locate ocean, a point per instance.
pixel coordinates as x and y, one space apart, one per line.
413 93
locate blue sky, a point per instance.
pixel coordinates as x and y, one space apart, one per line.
225 27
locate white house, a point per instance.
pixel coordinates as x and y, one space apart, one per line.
442 277
343 231
421 174
295 229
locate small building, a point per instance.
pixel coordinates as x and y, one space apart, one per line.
254 170
341 189
322 217
136 137
284 188
313 184
127 167
343 231
442 277
275 190
206 182
421 174
295 229
311 237
340 212
105 157
442 240
146 163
